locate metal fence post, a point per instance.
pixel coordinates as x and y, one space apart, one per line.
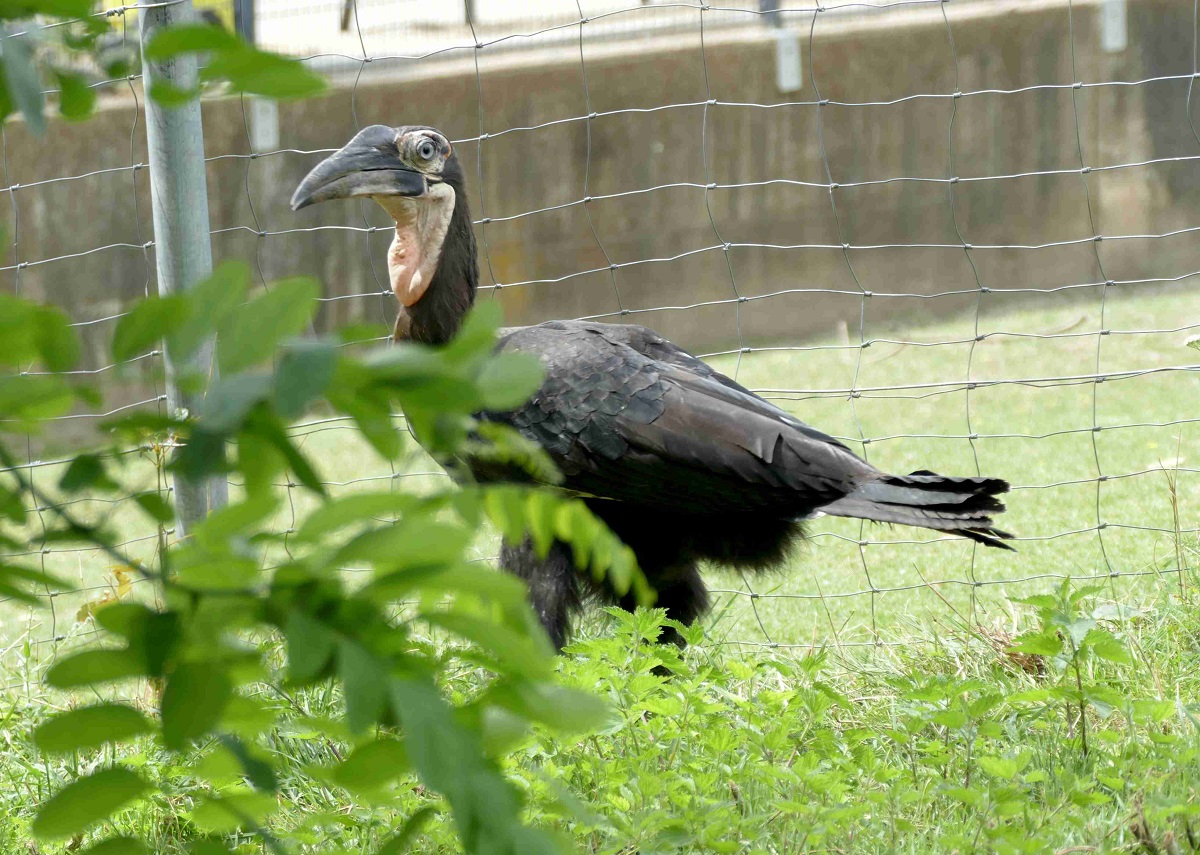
243 19
183 254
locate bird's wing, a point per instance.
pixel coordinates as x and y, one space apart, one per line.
649 343
624 425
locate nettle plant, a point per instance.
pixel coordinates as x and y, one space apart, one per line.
1071 639
208 639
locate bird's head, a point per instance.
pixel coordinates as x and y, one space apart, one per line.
413 174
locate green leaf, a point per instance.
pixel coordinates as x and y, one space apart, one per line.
34 577
971 797
90 667
304 372
506 447
116 846
203 572
192 703
1000 767
361 333
559 707
361 508
449 757
414 541
90 727
250 335
516 652
55 340
1041 643
1038 696
509 380
259 772
23 82
257 72
1085 592
372 766
231 811
500 588
245 68
125 619
156 506
231 399
235 519
366 680
86 470
439 747
61 8
146 324
505 507
203 455
1077 630
266 425
952 718
12 507
476 338
76 99
1038 601
1107 646
87 801
170 95
17 340
402 839
212 302
541 510
248 717
30 399
374 421
310 644
7 107
171 41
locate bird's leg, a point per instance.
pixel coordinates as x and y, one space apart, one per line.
553 583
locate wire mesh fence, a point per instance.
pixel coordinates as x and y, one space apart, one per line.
957 236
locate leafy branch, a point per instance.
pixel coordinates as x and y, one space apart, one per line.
236 584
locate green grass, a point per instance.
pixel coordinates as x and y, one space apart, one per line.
754 749
940 748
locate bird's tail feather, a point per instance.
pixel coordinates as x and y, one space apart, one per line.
961 506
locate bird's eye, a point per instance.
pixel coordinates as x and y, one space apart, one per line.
426 150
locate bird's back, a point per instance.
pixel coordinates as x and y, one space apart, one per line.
629 416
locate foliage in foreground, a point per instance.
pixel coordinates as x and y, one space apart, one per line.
222 595
205 646
70 46
963 746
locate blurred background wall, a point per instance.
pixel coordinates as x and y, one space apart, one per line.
689 110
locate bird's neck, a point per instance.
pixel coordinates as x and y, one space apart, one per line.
433 267
421 227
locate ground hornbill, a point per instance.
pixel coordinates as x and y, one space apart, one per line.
684 464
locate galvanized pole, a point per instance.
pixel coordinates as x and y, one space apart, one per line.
243 19
179 194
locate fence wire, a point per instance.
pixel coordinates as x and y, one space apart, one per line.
957 389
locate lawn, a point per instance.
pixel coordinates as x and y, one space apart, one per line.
863 700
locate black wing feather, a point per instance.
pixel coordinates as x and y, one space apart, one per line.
624 424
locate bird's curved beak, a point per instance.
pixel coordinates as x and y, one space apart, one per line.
368 165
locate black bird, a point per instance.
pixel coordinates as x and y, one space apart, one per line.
683 463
